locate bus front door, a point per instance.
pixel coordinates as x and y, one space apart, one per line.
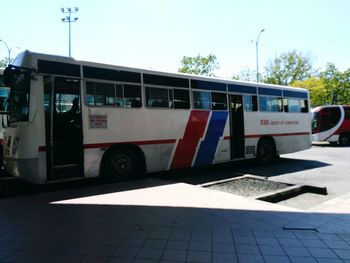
236 127
63 126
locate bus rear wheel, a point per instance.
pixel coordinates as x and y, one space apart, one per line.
266 152
121 164
344 139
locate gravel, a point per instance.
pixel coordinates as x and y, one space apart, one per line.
248 186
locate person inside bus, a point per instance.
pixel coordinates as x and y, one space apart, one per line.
70 115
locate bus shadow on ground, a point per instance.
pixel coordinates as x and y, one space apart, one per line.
218 172
194 176
287 166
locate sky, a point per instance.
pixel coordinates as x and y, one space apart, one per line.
156 34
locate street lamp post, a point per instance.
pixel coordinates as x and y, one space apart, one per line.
68 20
257 53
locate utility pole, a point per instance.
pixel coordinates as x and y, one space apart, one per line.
69 20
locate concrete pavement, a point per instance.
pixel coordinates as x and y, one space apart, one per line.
160 221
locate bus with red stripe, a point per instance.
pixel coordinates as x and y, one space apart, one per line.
331 124
75 119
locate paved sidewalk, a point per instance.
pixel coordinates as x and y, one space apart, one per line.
159 221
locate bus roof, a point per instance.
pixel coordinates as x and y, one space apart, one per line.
319 108
28 59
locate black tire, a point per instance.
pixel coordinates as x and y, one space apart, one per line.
121 164
266 152
344 139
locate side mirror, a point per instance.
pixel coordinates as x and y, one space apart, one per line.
10 76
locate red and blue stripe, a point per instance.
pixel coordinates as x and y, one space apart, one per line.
195 130
208 146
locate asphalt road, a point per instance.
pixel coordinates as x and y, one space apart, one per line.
322 165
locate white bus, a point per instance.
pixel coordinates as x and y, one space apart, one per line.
4 93
74 119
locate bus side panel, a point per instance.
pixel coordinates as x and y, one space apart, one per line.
158 156
92 161
223 151
155 131
290 144
291 131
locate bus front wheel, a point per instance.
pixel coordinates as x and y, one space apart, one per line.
266 152
344 139
121 164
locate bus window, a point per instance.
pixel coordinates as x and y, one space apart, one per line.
181 99
104 94
304 106
285 104
158 97
218 101
100 94
270 104
201 100
4 93
262 103
247 100
250 103
119 95
329 118
109 94
132 96
314 123
293 105
335 116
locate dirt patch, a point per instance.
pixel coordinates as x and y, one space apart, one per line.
248 186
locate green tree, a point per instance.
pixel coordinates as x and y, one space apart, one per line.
247 74
337 85
287 68
3 63
318 93
199 65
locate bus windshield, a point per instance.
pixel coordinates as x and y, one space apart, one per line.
19 94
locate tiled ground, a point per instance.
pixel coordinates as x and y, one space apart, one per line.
99 225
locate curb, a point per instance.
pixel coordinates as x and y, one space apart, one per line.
291 192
